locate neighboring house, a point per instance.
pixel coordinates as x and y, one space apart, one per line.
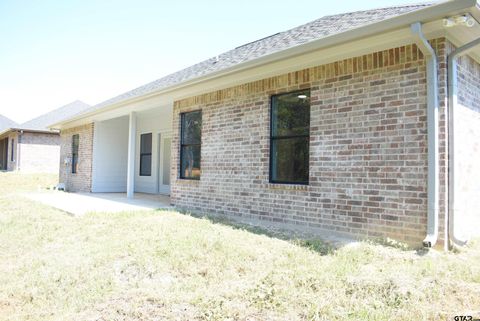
32 146
344 124
4 124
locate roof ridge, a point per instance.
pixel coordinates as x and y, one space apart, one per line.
398 6
6 123
251 42
420 4
7 118
415 4
313 30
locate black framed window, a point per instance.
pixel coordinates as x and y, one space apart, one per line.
12 155
290 137
75 145
190 144
146 154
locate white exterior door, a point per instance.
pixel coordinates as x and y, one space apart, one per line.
164 164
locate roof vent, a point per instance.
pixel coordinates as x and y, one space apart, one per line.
249 43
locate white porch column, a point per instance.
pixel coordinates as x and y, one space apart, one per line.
132 131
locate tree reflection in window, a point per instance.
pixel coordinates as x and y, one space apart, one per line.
190 150
289 138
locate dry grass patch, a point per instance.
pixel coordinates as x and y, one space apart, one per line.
162 265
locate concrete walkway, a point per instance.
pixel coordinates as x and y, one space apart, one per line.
81 203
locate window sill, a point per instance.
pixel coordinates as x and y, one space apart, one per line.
291 187
187 181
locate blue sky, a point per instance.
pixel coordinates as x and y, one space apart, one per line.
54 52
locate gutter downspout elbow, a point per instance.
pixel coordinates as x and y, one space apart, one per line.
432 135
452 105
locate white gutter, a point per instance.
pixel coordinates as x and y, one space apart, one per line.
427 14
17 129
432 135
452 105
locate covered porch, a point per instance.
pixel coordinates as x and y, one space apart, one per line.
131 152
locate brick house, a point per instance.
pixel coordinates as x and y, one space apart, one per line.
5 123
343 125
32 146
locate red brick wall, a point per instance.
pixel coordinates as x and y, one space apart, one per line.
33 152
368 149
82 180
38 152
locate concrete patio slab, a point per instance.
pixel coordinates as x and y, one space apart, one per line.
82 203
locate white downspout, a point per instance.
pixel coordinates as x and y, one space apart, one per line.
452 105
432 135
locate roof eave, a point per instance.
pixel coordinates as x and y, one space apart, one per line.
422 15
6 130
19 129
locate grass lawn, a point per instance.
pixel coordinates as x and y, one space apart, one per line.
163 265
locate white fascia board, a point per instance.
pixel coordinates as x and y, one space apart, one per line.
15 129
348 44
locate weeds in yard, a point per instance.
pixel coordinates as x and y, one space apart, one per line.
162 265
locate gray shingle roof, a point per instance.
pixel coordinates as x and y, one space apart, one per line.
6 123
42 122
315 30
